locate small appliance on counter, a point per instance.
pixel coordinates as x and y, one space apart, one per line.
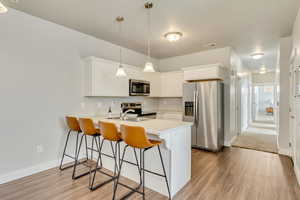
137 108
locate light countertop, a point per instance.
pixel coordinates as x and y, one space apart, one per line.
152 126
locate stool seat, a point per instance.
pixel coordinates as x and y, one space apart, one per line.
155 142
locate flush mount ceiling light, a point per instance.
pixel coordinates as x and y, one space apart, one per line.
173 36
121 71
257 56
263 70
211 44
148 65
3 9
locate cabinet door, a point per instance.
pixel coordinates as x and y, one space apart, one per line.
134 72
171 84
105 82
155 83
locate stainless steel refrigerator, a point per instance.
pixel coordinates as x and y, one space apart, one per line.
203 104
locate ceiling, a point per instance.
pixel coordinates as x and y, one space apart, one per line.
246 25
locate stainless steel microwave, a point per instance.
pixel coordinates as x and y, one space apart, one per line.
139 87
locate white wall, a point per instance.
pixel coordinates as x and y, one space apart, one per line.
40 81
296 152
284 80
268 77
244 102
220 55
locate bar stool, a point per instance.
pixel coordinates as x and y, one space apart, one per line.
88 129
73 126
110 133
136 138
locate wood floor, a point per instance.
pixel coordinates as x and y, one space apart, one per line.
234 174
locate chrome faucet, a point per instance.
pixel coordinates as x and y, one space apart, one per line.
123 114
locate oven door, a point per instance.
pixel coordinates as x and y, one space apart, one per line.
139 88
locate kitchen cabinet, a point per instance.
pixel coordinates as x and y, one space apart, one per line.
171 84
155 83
100 79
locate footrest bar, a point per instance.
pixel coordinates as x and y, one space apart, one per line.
102 184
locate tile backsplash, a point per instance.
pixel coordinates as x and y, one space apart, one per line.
100 105
170 104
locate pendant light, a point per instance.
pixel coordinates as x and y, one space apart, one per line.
121 71
148 65
3 9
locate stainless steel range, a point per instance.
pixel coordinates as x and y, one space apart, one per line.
136 109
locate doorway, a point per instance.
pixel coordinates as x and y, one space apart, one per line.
263 103
260 133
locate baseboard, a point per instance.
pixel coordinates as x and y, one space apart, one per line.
285 152
228 143
28 171
297 172
4 178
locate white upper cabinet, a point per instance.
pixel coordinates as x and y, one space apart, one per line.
171 84
205 72
155 83
100 79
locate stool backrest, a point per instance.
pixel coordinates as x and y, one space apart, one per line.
135 136
72 123
87 126
109 131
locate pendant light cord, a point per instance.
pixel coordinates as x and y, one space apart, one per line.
149 32
120 32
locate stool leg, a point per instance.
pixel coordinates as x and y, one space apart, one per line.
62 159
76 158
163 166
86 147
115 157
143 168
100 147
137 162
98 160
92 151
119 173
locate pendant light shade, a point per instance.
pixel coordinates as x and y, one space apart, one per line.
148 65
120 71
3 9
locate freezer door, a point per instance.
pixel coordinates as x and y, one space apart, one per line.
189 108
208 112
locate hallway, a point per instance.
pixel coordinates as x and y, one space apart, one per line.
258 136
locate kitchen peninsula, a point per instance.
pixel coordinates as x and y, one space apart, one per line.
176 152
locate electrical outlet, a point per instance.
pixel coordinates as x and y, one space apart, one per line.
39 149
82 105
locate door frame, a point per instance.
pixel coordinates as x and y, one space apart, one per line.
292 111
274 97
